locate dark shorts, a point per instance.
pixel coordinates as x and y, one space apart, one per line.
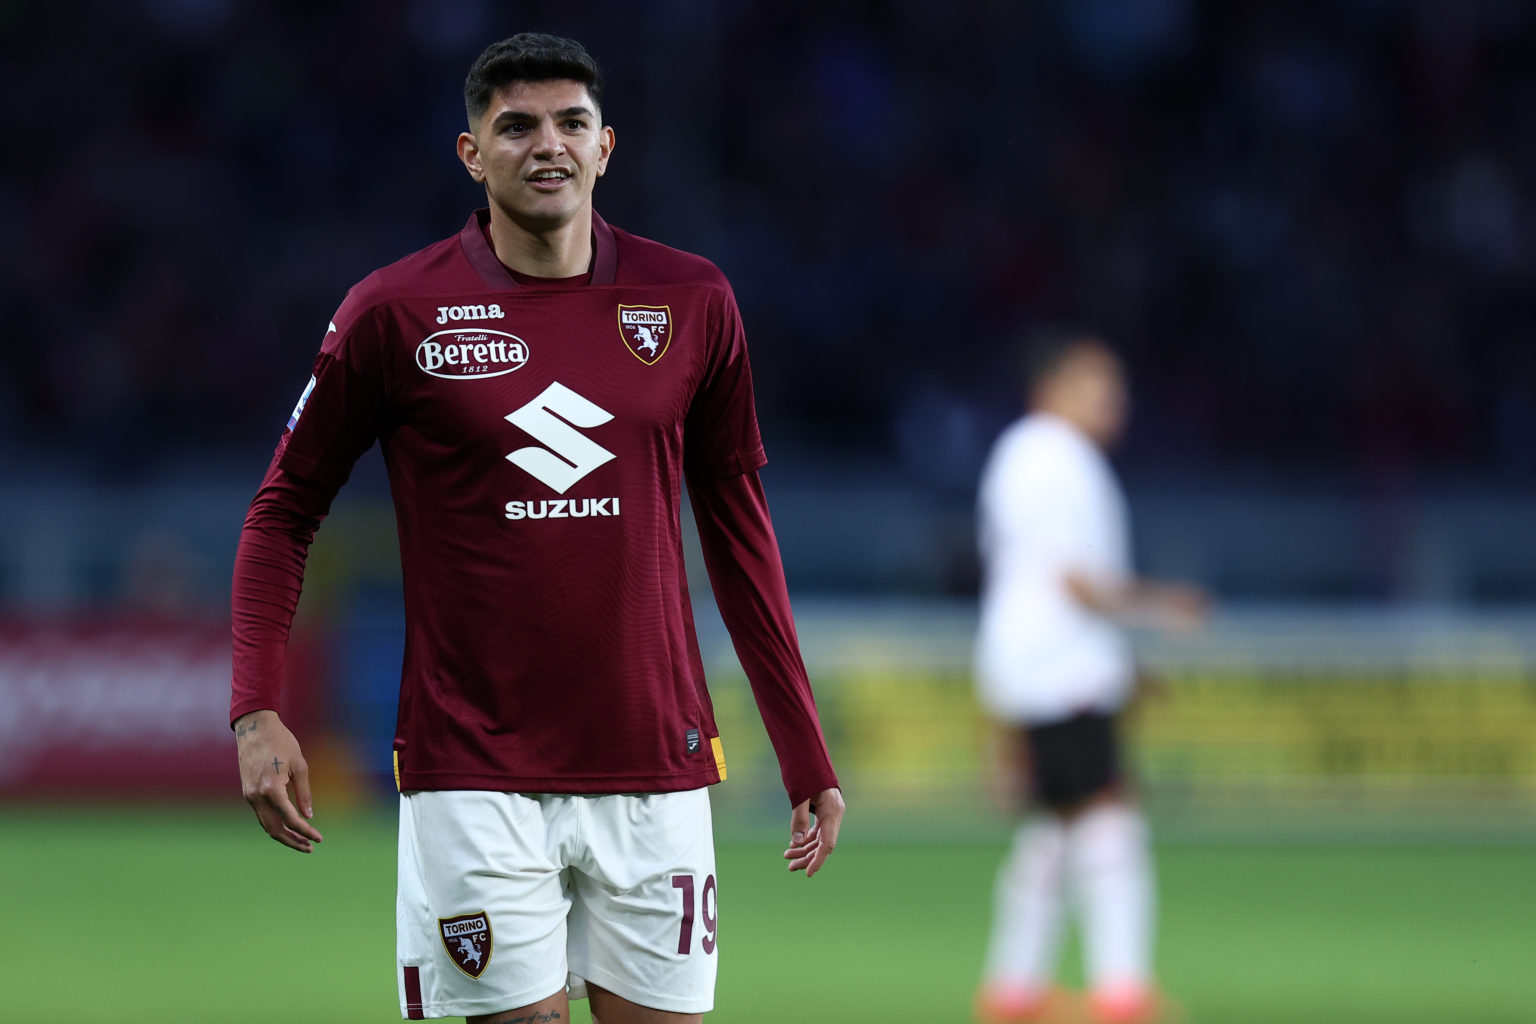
1074 759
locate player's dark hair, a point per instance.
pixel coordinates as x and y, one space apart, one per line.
1046 350
528 57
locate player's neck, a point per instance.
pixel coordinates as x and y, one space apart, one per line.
1065 412
564 251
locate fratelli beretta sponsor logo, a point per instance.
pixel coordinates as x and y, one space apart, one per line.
467 353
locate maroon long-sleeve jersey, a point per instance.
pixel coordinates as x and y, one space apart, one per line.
536 436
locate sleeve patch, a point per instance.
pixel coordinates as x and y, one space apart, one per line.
298 410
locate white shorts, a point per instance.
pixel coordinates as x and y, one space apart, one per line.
505 899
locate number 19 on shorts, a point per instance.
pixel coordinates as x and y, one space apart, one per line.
708 909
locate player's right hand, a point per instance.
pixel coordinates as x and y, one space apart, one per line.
1005 767
270 764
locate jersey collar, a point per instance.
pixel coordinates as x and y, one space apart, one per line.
482 257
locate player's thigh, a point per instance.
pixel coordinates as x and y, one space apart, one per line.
546 1011
645 911
481 905
608 1008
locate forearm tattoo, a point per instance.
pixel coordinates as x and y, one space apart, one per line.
244 729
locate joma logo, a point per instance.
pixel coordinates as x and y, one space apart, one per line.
447 313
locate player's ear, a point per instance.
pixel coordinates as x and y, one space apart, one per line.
604 149
469 155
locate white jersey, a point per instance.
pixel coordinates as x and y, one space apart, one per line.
1049 506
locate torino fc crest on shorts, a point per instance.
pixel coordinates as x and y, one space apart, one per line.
646 330
467 938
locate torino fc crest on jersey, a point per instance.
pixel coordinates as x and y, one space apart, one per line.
467 938
646 331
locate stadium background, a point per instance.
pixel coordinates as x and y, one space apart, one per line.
1309 227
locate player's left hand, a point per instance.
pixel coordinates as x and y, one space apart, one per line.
811 845
1179 607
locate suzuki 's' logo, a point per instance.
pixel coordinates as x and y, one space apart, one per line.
646 330
551 419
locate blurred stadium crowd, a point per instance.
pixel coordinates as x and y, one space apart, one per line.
1309 226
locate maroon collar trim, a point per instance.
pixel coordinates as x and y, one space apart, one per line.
472 240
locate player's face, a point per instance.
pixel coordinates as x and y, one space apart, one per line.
1101 395
1089 390
539 149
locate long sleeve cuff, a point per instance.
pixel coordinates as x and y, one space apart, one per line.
747 574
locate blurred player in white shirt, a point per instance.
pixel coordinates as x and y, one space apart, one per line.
1054 670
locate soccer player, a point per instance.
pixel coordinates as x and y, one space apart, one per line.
1054 671
541 383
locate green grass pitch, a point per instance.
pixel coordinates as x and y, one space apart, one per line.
155 914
